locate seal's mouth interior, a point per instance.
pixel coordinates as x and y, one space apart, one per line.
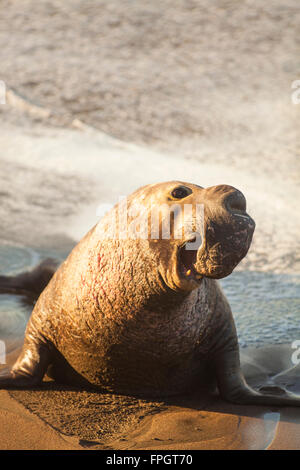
188 258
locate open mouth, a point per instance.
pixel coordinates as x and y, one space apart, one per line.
187 259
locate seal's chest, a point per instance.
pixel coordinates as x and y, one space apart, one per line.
164 336
154 358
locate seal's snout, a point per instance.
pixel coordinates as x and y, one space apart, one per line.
227 196
231 200
235 201
212 233
227 233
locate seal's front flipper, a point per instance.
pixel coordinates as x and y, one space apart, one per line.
29 368
233 387
32 282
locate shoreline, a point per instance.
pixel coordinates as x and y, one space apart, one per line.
54 417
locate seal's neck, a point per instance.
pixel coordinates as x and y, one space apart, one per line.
165 299
126 279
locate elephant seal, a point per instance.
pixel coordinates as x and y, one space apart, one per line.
136 307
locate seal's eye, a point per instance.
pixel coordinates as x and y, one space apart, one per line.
180 192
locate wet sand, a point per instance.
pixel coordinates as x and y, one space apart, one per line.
56 417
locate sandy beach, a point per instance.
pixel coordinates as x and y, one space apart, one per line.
104 97
56 417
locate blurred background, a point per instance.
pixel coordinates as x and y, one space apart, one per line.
105 96
202 78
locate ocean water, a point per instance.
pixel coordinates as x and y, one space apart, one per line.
14 314
265 306
15 310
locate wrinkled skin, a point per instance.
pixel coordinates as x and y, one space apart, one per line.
139 315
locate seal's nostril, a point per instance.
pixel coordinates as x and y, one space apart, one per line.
236 201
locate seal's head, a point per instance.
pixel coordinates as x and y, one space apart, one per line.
195 232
